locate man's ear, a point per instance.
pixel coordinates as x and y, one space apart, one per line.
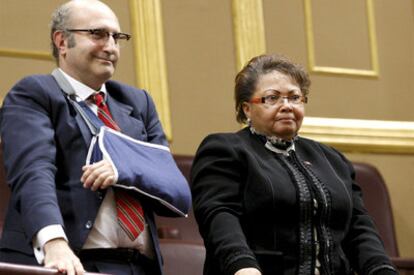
60 42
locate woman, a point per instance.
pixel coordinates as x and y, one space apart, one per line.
270 202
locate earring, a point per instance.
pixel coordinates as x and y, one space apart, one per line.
249 121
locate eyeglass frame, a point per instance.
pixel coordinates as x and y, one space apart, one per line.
115 35
302 99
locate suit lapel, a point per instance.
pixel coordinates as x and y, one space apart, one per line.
121 113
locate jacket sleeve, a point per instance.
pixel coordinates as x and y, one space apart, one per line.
362 244
218 175
29 154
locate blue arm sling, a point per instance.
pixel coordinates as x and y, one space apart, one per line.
141 166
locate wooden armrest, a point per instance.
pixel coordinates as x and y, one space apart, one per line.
18 269
405 266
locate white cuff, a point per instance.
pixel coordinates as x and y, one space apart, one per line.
44 235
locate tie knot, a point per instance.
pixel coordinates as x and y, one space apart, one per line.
98 98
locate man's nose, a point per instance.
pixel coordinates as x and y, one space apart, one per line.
111 40
111 44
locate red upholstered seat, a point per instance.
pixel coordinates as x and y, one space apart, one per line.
378 203
182 257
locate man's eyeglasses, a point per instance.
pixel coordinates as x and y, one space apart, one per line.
103 35
272 100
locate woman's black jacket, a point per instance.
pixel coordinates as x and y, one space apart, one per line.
247 209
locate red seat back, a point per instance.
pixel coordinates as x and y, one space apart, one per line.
378 204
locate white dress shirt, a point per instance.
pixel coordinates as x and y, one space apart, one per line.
106 232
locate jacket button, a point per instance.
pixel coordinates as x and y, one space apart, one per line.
100 195
88 225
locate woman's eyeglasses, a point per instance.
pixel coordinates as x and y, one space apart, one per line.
272 100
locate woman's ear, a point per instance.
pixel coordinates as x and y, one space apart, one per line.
246 109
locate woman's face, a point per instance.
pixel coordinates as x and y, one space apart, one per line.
282 110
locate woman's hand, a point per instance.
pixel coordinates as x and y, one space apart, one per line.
99 175
248 271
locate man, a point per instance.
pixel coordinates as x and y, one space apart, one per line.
62 213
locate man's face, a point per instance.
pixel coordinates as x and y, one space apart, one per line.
89 59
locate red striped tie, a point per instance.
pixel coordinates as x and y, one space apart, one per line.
129 210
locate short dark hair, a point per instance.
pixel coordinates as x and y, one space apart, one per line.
60 21
246 79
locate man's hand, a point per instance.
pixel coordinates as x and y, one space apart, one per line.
59 255
99 175
248 271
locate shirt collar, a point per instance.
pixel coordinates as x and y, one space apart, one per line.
273 148
81 90
275 144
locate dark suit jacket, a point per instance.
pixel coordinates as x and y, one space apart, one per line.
45 145
247 209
